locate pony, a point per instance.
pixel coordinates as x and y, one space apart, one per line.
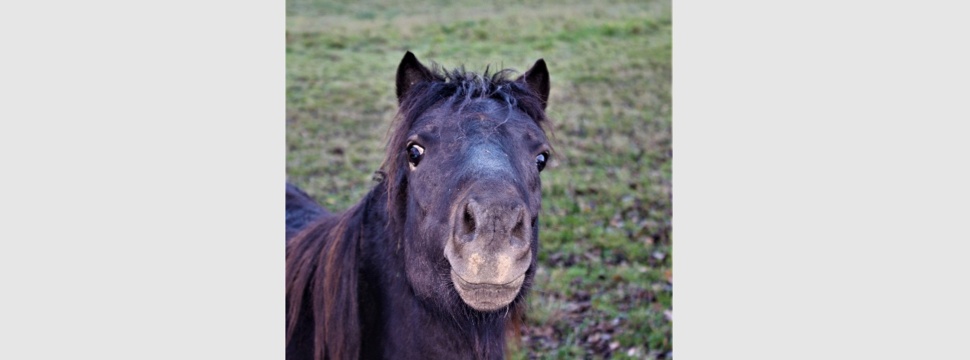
436 260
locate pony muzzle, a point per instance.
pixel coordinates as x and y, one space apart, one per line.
489 252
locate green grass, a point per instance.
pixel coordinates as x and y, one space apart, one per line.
604 280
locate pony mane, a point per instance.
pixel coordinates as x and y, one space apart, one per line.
322 261
461 87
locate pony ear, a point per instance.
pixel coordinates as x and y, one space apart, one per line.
537 80
410 72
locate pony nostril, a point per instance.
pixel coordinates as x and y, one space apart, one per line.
518 231
468 221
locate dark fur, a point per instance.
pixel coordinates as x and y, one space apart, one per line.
301 210
366 283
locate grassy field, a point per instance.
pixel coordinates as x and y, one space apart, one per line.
604 286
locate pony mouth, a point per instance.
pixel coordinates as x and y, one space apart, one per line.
487 296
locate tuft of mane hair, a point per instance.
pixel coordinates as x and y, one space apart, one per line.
461 86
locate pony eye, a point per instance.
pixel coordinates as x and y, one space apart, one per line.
541 161
414 154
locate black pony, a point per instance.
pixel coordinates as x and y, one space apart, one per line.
435 261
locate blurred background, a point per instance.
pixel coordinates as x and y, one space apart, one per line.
604 284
